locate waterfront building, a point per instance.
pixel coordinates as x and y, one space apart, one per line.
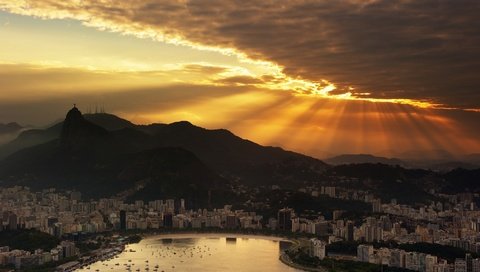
317 248
123 220
285 219
364 252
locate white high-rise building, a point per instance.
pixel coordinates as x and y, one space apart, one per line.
317 248
364 252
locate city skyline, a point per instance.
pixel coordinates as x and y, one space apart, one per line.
226 135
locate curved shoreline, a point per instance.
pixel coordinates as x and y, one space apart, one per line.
283 257
286 261
199 235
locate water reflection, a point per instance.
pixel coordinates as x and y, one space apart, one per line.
198 253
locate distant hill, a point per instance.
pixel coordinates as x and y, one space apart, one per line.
473 158
9 128
451 165
389 181
406 185
461 180
99 163
108 121
425 155
229 154
113 155
33 137
363 158
9 131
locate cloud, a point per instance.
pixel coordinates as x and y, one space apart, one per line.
424 50
203 69
240 80
40 81
303 123
36 94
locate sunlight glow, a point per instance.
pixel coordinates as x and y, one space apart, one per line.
268 75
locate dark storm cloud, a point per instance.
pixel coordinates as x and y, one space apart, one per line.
427 49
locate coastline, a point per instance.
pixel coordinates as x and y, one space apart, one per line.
286 261
154 236
283 257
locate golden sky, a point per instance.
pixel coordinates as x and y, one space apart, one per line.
319 77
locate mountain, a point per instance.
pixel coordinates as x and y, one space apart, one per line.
363 158
91 159
406 185
34 137
108 121
9 131
79 133
177 159
30 138
461 180
389 181
9 128
229 154
451 165
425 155
473 158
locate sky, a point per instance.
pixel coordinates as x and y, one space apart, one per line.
388 77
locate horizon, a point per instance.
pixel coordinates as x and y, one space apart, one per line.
399 91
438 155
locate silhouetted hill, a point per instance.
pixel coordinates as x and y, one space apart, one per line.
229 154
160 157
9 131
363 158
9 128
424 155
28 239
33 137
221 150
100 163
473 158
407 185
79 133
387 181
452 165
183 160
462 180
191 179
108 121
30 138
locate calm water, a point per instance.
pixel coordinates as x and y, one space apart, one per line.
198 253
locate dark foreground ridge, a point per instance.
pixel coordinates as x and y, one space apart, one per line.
115 156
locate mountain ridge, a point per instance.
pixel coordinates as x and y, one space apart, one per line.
86 153
363 158
11 127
